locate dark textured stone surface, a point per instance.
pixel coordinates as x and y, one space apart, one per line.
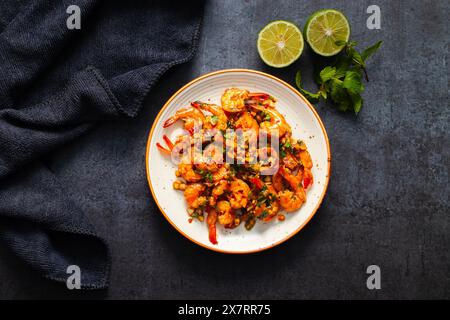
387 203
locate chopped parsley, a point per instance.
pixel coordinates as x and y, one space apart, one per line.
209 176
264 214
286 146
206 175
214 119
265 198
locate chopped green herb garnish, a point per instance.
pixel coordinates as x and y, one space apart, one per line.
214 119
272 197
206 175
264 214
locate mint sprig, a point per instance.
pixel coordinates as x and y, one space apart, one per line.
342 81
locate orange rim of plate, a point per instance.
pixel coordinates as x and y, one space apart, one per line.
287 86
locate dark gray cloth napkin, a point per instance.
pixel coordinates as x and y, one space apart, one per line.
55 85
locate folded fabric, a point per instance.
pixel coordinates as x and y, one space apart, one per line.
56 84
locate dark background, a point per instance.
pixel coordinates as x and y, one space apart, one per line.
387 202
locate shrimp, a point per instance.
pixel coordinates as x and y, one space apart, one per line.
211 221
193 195
221 187
290 200
182 144
250 128
275 121
221 174
187 172
191 117
218 120
212 158
304 172
305 158
247 122
239 194
226 214
277 181
304 175
233 100
268 160
294 180
289 161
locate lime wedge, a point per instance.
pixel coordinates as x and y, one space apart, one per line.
280 43
323 28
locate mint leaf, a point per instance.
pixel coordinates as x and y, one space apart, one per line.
340 73
317 78
352 82
341 82
370 50
338 92
340 43
312 97
298 79
342 65
356 101
327 73
356 57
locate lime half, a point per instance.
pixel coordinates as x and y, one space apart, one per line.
280 43
324 28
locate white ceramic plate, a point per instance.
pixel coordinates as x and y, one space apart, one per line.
306 125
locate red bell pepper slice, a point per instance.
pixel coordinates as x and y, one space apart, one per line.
257 182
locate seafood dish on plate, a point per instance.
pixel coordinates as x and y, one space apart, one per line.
238 162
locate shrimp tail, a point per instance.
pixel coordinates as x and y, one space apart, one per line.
168 142
259 96
258 107
197 104
211 220
162 149
169 122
